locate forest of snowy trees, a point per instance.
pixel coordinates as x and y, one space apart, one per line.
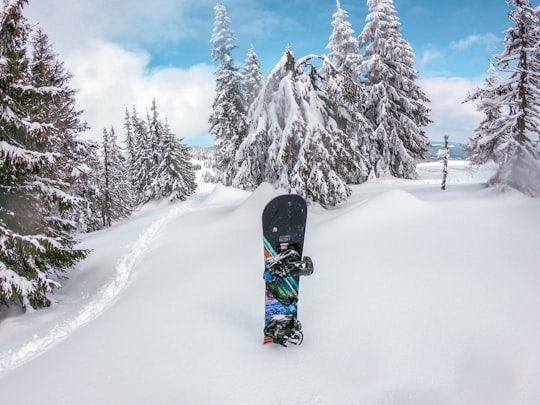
54 184
316 125
320 123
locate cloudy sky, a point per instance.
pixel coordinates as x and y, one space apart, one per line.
124 53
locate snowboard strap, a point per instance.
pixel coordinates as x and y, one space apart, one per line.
284 330
287 263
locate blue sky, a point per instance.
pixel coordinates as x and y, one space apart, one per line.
124 53
450 38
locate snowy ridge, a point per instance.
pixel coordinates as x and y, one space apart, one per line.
104 298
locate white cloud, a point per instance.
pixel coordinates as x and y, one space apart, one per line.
449 113
430 55
111 79
102 42
488 40
132 21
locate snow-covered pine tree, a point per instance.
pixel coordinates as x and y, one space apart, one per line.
253 78
37 242
395 104
187 180
131 149
343 46
228 118
484 146
57 107
509 133
346 94
292 141
156 131
117 201
88 187
175 175
139 158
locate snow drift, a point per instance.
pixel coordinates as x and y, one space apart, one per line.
419 297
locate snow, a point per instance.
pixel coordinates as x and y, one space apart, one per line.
419 296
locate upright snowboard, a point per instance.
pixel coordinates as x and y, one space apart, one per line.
284 225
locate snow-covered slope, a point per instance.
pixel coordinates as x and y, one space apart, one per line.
419 296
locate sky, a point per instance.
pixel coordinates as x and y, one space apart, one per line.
123 54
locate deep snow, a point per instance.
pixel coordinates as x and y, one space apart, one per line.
419 296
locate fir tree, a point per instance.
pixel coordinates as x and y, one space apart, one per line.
156 131
140 152
56 106
509 133
484 146
395 104
175 175
116 195
346 94
88 187
253 78
37 242
228 118
131 147
343 46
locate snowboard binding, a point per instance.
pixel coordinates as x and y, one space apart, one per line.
287 263
282 272
283 330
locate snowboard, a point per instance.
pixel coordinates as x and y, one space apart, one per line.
284 226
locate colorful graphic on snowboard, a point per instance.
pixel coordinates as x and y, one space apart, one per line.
284 223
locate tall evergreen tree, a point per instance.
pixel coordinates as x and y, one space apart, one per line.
484 146
131 149
175 175
343 46
117 202
253 78
228 118
140 152
395 104
346 95
88 187
36 241
156 131
57 108
510 131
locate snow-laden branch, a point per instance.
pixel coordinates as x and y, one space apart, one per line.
11 283
304 61
20 155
